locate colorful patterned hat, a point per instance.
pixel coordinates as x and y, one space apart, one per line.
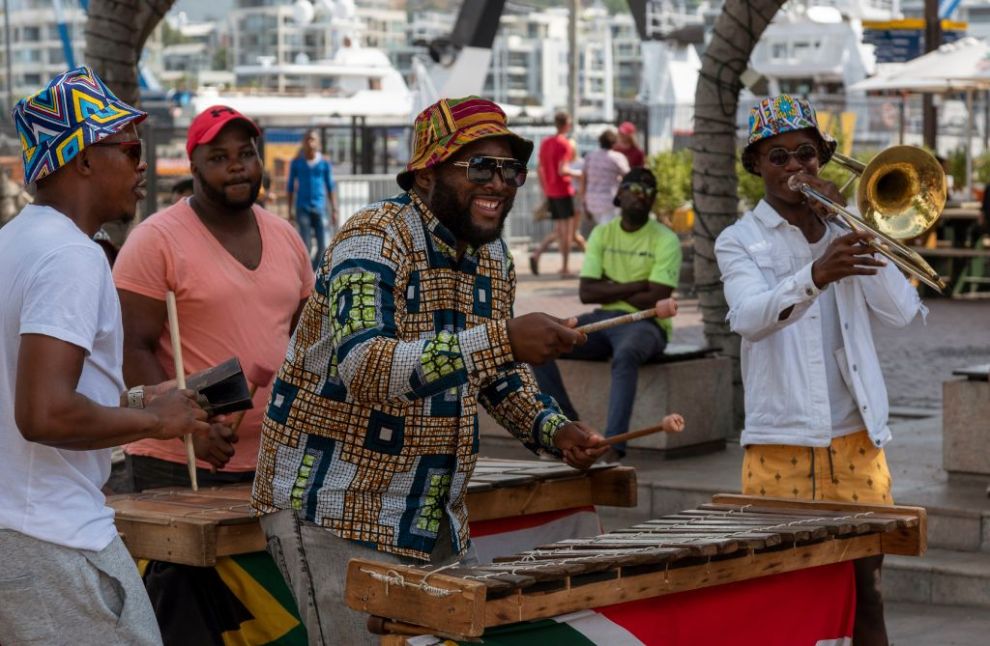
450 124
778 115
75 110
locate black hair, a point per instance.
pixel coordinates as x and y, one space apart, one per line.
184 185
607 139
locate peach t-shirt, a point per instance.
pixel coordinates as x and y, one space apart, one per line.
225 309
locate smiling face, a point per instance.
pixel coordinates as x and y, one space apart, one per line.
775 177
228 169
119 172
474 213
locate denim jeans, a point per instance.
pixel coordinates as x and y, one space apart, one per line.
310 222
314 563
629 347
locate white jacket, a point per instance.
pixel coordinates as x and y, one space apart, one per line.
766 267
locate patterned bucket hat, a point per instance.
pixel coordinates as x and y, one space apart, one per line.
450 124
75 110
778 115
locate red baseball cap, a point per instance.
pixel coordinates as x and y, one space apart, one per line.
627 128
208 124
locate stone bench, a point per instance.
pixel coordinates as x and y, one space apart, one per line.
965 431
688 380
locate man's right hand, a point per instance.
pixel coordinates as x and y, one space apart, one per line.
848 255
178 414
537 338
217 447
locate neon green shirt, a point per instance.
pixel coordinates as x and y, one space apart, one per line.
652 253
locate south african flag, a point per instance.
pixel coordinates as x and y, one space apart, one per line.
241 601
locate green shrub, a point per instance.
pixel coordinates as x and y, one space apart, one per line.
673 172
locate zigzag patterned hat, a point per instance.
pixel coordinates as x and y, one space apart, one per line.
75 110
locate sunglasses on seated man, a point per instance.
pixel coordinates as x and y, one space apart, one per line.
637 188
781 156
481 170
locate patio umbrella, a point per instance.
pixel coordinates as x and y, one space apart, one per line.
953 67
962 66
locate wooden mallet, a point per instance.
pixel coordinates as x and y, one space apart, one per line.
632 435
180 379
664 309
259 377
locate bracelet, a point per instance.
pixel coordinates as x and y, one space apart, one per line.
135 397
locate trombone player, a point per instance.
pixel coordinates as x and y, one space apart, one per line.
801 291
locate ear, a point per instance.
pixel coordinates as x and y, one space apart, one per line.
425 179
82 164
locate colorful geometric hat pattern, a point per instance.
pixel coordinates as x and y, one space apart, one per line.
450 124
75 110
781 114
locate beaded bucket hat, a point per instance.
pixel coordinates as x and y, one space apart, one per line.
779 115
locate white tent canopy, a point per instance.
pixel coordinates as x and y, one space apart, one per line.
962 66
954 67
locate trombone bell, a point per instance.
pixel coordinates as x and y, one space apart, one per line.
902 192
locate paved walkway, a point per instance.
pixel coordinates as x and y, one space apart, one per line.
915 360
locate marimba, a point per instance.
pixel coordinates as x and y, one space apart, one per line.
734 538
195 528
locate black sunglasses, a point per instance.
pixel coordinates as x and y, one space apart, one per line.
133 148
781 156
481 170
636 188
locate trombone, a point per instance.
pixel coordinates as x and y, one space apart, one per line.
901 194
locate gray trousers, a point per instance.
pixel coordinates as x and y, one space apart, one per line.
314 564
52 595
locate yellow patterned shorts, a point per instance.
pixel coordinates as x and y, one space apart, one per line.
851 469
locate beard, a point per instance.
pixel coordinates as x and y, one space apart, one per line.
219 196
636 217
454 212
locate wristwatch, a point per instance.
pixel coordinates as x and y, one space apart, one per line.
135 397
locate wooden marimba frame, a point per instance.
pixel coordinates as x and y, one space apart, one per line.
734 538
196 528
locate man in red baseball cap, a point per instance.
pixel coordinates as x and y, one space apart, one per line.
627 145
240 275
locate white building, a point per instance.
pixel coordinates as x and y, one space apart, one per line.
816 47
192 58
281 33
37 46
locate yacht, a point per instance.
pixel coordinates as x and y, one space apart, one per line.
357 81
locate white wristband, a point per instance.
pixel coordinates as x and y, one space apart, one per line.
135 397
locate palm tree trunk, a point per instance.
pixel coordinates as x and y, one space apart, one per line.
115 34
714 180
116 31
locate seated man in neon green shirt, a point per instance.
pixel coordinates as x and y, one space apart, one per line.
630 264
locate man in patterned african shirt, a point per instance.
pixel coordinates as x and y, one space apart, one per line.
371 432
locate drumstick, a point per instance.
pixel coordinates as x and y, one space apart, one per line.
664 309
180 379
258 376
632 435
